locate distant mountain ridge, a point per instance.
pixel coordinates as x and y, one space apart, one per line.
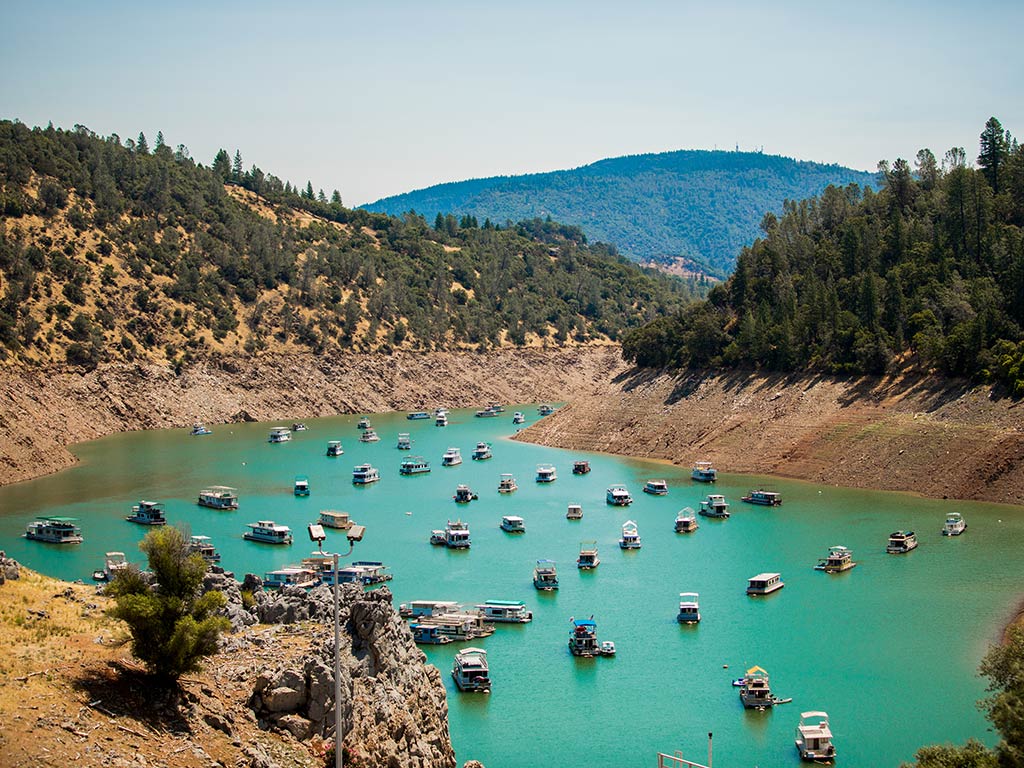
699 204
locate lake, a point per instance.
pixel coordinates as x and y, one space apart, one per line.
890 649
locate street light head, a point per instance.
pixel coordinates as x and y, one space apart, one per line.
355 533
316 532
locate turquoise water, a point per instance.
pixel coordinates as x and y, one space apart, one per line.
889 649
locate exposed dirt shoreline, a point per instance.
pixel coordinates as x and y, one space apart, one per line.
935 437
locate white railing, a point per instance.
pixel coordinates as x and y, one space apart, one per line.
676 761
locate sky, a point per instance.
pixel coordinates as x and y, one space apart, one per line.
383 97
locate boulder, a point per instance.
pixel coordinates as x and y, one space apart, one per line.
282 699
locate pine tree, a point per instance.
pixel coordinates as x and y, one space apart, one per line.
994 152
222 165
308 194
141 146
336 197
236 167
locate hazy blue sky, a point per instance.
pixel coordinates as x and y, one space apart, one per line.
378 98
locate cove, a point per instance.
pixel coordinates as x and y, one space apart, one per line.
890 649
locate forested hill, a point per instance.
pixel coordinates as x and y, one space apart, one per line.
112 250
929 271
703 206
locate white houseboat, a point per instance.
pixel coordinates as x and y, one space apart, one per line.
366 572
518 417
755 692
363 423
404 442
513 524
463 494
203 546
199 429
704 472
507 484
112 563
369 436
482 452
689 608
441 419
148 513
470 671
334 448
901 542
456 535
428 634
630 538
218 497
764 498
364 474
268 532
451 458
546 473
416 609
290 577
686 521
414 465
505 611
54 530
545 576
618 496
301 485
814 737
715 505
487 413
588 558
656 487
955 524
459 625
298 426
574 512
279 435
330 518
583 638
417 415
837 560
764 584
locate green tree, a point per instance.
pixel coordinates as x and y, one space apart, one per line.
1003 665
236 166
173 627
994 152
222 165
142 146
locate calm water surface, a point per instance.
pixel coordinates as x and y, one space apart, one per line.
889 649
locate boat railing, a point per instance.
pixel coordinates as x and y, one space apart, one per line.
676 761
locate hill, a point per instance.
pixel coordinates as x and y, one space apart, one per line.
929 272
112 251
700 205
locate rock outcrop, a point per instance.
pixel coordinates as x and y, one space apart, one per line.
9 568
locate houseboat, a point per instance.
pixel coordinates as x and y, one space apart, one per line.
470 671
404 442
581 467
463 495
417 415
513 524
218 497
290 577
496 407
703 472
630 538
588 558
203 546
518 418
755 692
438 536
416 609
955 524
574 512
689 608
764 498
414 465
686 521
301 485
656 487
268 532
507 484
148 513
837 560
366 572
428 634
482 452
279 435
505 611
451 458
545 410
546 473
459 625
441 419
901 542
618 496
54 530
814 737
364 474
486 413
363 423
545 576
764 584
583 638
715 505
112 563
298 426
200 429
369 436
334 448
456 535
330 518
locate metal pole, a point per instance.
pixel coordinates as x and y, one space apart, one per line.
709 749
337 671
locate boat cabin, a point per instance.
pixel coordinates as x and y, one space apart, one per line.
459 626
441 420
546 473
814 737
451 457
689 608
268 532
470 671
574 512
415 609
298 426
630 536
656 487
301 485
404 442
715 505
513 524
428 634
364 474
112 563
955 524
463 495
545 576
330 518
365 572
704 472
279 435
838 559
618 496
507 484
686 521
369 436
218 497
581 467
456 535
290 577
764 498
764 584
583 638
54 530
518 418
416 415
505 611
755 692
363 423
200 429
148 513
482 452
588 558
901 542
414 465
203 546
334 448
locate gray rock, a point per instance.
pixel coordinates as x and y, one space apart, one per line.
296 725
283 699
218 722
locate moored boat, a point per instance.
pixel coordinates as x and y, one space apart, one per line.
505 611
686 521
428 634
618 496
415 609
301 485
470 671
715 505
331 518
203 546
365 572
456 535
451 458
148 513
955 524
689 608
200 429
837 560
482 452
441 419
583 638
54 530
290 577
901 542
588 558
404 442
704 472
334 448
545 576
814 737
364 474
545 410
298 426
764 498
417 415
363 423
463 495
279 435
574 512
764 584
218 497
414 465
518 418
438 536
656 487
507 484
268 532
486 413
546 473
755 692
112 563
513 524
607 648
630 538
369 436
580 467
